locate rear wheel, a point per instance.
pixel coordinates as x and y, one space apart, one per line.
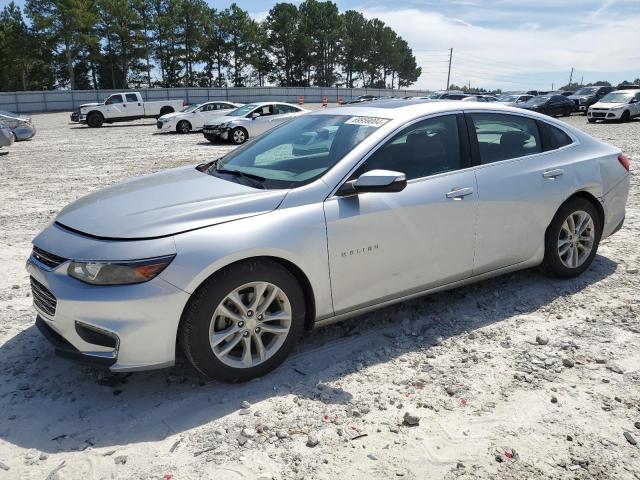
244 321
572 239
183 127
95 120
239 135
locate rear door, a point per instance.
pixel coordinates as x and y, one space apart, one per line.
133 105
524 173
385 245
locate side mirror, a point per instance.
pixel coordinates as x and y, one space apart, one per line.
254 115
634 100
375 181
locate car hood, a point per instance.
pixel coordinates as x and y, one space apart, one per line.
89 105
607 105
166 203
221 119
173 115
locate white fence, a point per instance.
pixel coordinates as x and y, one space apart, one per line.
68 100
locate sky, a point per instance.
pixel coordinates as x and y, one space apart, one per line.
507 44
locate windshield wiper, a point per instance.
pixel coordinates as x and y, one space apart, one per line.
256 179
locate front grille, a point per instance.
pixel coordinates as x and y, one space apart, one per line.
43 299
576 102
598 114
159 124
48 259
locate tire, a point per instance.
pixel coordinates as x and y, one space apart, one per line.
95 120
202 319
626 117
238 136
561 265
183 127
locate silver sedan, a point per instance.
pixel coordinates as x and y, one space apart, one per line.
21 126
232 261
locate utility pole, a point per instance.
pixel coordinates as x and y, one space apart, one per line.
552 87
571 76
449 72
582 80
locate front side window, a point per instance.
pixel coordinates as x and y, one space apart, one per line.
114 99
502 137
426 148
296 153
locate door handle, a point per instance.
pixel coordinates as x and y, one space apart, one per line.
459 193
553 174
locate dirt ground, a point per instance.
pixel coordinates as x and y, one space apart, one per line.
519 377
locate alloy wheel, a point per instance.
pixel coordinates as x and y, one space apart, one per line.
250 325
238 136
576 239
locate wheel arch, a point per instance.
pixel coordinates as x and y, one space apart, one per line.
166 109
588 196
303 280
95 111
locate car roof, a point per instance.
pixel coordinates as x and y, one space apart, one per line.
260 104
627 90
398 109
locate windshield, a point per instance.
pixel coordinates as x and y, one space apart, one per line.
191 108
538 100
298 152
587 91
242 111
617 97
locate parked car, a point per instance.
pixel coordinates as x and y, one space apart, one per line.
21 126
232 260
123 107
362 98
250 121
621 105
193 117
514 100
628 87
453 96
6 136
553 105
566 93
490 98
587 96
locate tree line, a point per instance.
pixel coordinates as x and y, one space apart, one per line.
119 44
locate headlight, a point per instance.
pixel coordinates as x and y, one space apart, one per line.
118 273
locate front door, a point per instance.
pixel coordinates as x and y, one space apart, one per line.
386 245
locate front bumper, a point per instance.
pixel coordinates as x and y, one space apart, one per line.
141 320
216 132
165 126
605 113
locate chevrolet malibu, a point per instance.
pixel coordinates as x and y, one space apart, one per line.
231 261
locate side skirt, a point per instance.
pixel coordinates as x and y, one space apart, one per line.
359 311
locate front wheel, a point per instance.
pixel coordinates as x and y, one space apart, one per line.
572 239
626 117
239 135
244 321
183 127
95 120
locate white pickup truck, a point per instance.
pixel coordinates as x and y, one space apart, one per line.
123 107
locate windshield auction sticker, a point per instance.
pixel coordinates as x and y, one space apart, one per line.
368 121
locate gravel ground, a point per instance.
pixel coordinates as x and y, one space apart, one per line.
519 377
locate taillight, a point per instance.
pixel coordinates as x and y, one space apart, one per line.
625 161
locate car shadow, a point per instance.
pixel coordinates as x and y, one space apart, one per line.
107 125
53 405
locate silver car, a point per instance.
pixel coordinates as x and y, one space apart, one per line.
21 126
6 136
250 121
232 261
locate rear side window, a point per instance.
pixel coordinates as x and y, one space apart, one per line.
502 136
131 97
553 138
